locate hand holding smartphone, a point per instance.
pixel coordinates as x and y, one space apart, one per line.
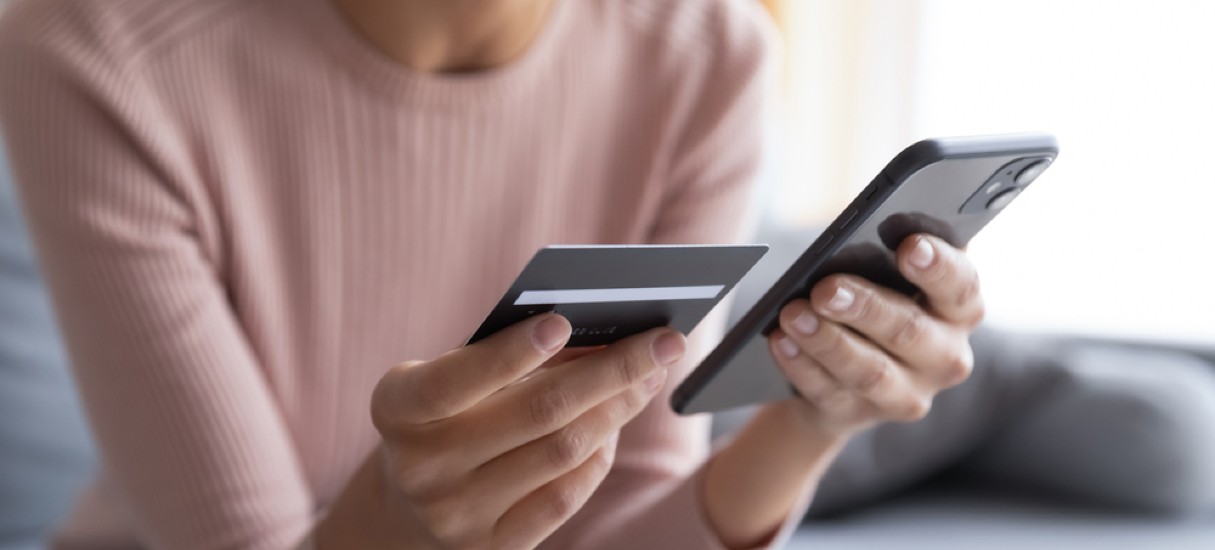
949 187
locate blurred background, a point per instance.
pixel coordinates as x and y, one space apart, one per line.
1113 240
1111 244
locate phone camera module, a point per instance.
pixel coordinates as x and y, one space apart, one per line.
1002 200
1031 172
1003 185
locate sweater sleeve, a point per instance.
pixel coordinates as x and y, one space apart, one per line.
651 498
188 431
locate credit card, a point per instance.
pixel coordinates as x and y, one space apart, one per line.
609 292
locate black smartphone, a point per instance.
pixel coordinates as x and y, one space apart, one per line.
949 187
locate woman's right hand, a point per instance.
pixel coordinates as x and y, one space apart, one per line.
485 451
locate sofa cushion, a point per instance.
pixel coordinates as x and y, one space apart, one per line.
45 451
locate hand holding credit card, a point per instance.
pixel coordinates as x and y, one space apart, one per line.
609 292
502 429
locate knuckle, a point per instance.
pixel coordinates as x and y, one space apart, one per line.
915 410
601 462
417 480
830 346
959 365
567 448
445 522
970 292
628 404
910 331
549 408
382 417
867 303
872 376
980 312
635 365
386 400
561 501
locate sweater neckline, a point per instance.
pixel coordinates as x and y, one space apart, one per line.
357 55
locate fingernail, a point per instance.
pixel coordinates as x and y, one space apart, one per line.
805 322
923 254
787 347
656 380
667 348
550 333
841 300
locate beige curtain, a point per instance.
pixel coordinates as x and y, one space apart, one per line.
846 102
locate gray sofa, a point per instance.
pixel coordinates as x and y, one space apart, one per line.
45 453
1016 456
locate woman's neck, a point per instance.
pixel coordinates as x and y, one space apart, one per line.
449 35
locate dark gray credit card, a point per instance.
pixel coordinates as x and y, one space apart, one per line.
609 292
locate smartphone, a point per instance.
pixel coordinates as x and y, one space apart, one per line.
948 187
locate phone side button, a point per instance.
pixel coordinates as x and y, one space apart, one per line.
824 241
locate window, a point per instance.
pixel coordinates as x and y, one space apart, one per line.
1115 239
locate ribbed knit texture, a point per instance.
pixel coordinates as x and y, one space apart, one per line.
247 214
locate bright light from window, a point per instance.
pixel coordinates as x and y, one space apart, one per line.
1117 237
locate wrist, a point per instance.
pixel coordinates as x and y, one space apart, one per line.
808 424
752 484
367 514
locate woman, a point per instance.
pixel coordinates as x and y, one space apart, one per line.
249 210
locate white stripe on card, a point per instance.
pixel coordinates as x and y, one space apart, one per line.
607 295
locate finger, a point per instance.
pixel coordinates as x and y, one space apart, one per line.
812 381
815 386
417 393
565 355
512 476
891 393
553 398
536 516
896 323
857 364
569 354
949 281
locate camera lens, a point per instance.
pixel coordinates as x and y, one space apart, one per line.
1031 172
1002 200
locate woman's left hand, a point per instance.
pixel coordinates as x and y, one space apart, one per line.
860 354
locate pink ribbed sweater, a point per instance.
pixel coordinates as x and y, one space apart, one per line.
247 214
